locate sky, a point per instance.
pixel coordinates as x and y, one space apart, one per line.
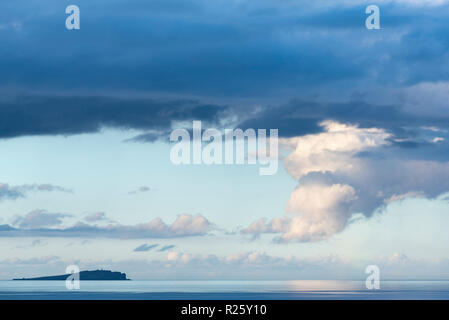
362 117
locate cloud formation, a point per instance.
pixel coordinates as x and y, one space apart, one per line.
223 51
166 248
343 171
15 192
373 128
40 219
67 115
96 217
36 223
145 247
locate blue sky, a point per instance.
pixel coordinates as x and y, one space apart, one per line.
85 117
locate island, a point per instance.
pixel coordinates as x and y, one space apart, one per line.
95 275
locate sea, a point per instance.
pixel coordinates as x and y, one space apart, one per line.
224 290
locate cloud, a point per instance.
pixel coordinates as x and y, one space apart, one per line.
222 51
6 192
95 217
140 190
260 265
40 219
323 211
218 56
47 187
15 192
373 147
166 248
246 258
185 225
68 115
343 171
145 247
333 150
411 108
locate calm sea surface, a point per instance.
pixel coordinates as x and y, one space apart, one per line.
225 290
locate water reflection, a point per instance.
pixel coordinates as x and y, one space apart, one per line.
325 285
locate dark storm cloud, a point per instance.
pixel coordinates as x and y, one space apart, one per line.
217 48
66 115
300 117
152 137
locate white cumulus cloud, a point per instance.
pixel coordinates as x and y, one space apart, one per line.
343 171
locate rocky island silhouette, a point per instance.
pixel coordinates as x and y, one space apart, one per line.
95 275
